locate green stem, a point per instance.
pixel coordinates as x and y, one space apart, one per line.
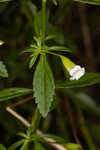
36 120
85 130
43 21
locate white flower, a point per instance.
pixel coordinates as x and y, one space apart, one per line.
76 73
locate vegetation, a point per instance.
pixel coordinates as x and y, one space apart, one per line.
48 68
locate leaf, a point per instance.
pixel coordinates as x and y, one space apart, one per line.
93 2
57 139
43 86
15 145
1 42
59 48
87 80
24 146
13 93
55 2
38 146
72 146
28 50
85 101
2 147
4 1
3 71
32 61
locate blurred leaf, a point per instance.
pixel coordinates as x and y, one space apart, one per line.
38 146
85 101
55 2
43 86
1 42
3 71
4 1
15 145
32 61
28 50
87 80
59 48
57 139
24 146
72 146
13 92
2 147
94 2
94 129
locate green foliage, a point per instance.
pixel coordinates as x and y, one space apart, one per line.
87 80
11 93
1 42
43 86
16 144
38 146
3 71
2 147
50 30
59 48
32 61
24 146
57 139
55 2
72 146
1 1
94 2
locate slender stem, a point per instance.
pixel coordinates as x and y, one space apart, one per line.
85 130
36 120
43 21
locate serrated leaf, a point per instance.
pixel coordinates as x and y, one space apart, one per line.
87 80
2 147
13 93
32 61
43 86
93 2
38 146
59 48
15 145
3 71
72 146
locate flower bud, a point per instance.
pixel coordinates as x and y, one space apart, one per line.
75 71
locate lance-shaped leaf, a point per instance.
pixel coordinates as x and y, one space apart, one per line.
1 1
87 80
93 2
3 71
15 145
59 48
24 146
38 146
43 86
13 93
